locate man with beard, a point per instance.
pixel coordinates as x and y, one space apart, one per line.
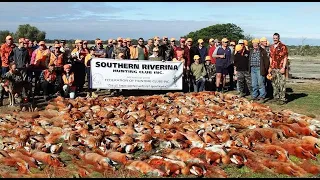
189 54
278 62
167 49
140 52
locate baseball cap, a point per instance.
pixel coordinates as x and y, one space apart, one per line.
224 40
240 41
200 41
189 39
263 39
256 41
172 39
78 41
211 40
208 58
99 41
119 39
238 47
196 57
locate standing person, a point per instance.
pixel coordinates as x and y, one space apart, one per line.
150 47
223 58
173 44
100 52
211 73
5 51
109 48
212 47
39 61
85 45
278 62
78 67
231 66
179 50
35 45
245 42
20 56
198 72
264 44
52 47
68 78
203 51
167 49
28 47
120 48
48 79
87 63
160 48
65 50
259 65
140 52
242 63
189 52
155 56
59 60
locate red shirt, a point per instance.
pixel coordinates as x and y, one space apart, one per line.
5 53
278 55
178 51
210 52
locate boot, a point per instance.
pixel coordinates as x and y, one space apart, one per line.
88 95
94 95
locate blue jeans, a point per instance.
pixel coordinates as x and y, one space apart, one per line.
4 70
199 85
257 83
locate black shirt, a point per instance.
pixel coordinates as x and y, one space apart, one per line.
241 61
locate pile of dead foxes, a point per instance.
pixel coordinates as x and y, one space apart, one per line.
161 135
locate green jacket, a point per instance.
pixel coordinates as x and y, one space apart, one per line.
198 70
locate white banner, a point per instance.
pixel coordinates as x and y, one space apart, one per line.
134 74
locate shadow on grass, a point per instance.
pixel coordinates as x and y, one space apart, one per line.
295 96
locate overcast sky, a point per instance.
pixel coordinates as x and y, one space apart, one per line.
77 20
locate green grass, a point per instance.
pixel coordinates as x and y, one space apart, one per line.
304 99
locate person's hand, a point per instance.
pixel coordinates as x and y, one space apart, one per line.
188 68
221 56
235 72
282 70
269 70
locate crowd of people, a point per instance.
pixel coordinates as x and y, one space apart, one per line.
259 70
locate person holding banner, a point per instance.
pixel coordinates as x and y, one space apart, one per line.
199 72
87 63
79 69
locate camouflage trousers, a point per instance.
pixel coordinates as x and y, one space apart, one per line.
242 78
278 84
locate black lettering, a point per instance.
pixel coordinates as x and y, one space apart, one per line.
103 64
97 64
175 67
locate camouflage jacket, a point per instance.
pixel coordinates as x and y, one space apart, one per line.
16 78
211 71
120 49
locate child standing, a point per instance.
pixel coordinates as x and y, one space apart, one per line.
211 74
199 72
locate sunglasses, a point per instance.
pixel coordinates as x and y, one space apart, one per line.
98 43
139 41
155 51
226 42
165 40
232 45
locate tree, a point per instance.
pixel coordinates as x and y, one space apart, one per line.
30 32
3 35
219 31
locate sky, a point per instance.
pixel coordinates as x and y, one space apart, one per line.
294 21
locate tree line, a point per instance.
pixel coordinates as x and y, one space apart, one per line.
219 31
